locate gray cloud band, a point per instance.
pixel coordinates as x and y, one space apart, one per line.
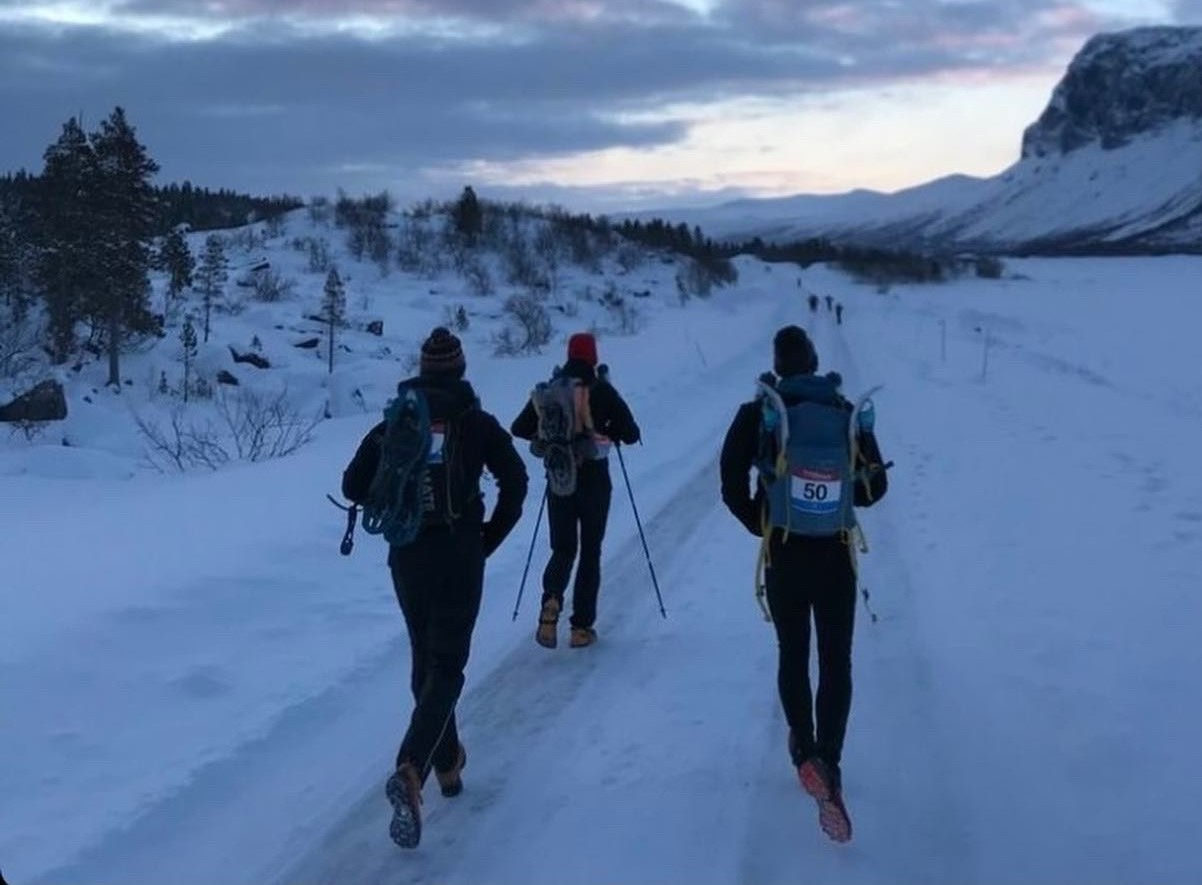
277 108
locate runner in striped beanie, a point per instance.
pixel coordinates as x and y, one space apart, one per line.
442 354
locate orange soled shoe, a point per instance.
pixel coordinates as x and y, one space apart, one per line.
822 782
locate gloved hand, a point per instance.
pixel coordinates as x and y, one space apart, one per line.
490 539
751 515
866 417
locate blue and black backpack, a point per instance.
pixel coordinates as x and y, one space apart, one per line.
805 464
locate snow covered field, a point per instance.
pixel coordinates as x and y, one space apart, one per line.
195 687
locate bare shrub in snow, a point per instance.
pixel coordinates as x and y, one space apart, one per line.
30 430
250 427
456 318
521 266
506 343
271 286
419 248
20 335
275 227
698 278
245 238
529 329
630 257
549 254
570 307
263 427
479 280
625 317
182 445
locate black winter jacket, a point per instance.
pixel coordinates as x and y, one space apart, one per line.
611 415
740 453
476 442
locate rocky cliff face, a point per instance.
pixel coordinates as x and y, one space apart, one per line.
1120 86
1114 164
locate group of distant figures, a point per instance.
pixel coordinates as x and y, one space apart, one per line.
831 305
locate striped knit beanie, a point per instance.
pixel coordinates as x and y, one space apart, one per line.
442 354
793 352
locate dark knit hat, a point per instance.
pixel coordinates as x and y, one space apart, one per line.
442 354
583 346
793 353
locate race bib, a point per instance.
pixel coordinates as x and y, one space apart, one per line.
816 491
438 439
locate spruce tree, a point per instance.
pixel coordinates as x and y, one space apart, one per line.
187 338
13 249
211 276
468 217
124 221
177 260
64 254
333 308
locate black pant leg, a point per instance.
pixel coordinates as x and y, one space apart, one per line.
413 597
789 602
834 601
452 563
593 500
562 527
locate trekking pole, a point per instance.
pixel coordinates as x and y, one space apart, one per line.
352 515
529 556
868 605
642 537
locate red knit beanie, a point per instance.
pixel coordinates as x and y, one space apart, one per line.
583 346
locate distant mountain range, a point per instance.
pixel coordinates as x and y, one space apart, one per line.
1113 164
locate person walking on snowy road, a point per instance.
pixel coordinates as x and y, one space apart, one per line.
815 458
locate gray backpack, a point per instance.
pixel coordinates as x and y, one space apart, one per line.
565 433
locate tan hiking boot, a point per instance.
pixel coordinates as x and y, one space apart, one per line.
582 636
404 791
547 634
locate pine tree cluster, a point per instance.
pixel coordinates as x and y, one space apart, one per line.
77 242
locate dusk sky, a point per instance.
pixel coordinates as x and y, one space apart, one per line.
595 105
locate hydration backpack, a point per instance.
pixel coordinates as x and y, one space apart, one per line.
565 436
805 464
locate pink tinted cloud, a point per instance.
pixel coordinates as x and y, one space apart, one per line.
1069 16
935 23
581 11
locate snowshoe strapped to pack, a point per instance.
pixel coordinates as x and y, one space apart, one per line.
395 503
565 435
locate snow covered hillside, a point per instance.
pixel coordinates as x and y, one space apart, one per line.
1111 165
198 688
